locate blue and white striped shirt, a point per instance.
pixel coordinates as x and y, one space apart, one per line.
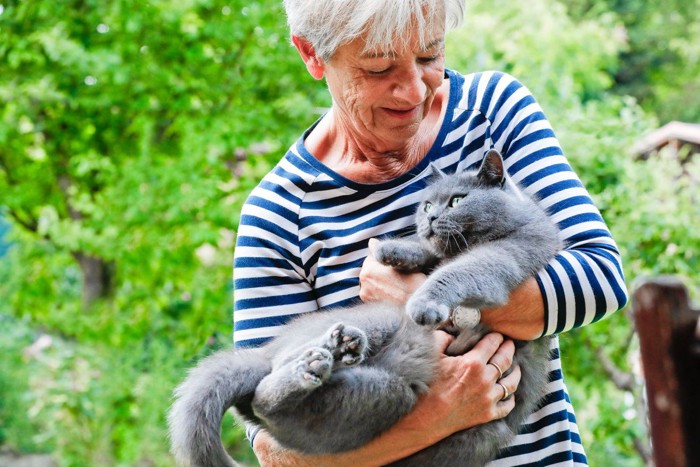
304 231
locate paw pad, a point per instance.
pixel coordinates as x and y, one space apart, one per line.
347 344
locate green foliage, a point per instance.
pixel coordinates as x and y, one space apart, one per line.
661 205
607 439
661 64
133 132
122 123
16 428
649 206
122 126
103 407
534 42
4 227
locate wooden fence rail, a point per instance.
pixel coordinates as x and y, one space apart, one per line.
669 335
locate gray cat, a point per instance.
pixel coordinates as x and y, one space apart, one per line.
334 380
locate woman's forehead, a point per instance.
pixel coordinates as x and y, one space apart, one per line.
416 34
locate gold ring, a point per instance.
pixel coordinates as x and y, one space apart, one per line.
500 372
506 393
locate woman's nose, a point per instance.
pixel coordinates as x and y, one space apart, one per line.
410 87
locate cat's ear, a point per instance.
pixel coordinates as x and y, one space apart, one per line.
492 171
436 173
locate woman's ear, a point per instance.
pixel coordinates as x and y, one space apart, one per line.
313 62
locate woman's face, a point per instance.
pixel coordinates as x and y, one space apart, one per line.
381 99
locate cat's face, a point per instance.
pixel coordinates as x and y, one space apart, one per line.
444 217
458 211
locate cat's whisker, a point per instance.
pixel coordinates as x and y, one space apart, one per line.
464 239
462 245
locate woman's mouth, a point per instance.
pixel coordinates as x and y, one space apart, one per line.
407 113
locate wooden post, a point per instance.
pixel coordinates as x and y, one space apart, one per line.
667 328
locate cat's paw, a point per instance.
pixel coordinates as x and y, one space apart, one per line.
314 367
403 256
348 344
424 310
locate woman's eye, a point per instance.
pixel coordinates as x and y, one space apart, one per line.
428 207
429 59
456 200
377 72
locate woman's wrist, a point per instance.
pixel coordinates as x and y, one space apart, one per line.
523 317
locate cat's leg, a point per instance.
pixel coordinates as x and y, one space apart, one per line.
341 346
426 305
469 282
357 404
289 384
405 255
347 344
483 278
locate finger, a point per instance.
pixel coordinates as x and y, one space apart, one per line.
487 347
371 245
503 408
510 383
499 371
502 359
442 340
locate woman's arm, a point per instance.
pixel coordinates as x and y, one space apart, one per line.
463 395
584 282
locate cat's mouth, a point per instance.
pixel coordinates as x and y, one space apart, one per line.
443 241
447 244
439 242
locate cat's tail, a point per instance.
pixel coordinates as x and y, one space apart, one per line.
225 379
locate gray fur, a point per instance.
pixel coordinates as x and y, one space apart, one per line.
331 382
334 380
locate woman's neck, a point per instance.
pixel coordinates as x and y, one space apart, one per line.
343 151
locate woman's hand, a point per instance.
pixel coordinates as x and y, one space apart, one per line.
379 282
467 391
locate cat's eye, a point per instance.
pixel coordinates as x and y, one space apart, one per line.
456 200
428 206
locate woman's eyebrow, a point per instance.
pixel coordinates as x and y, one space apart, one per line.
370 54
435 43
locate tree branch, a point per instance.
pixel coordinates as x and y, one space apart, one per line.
31 225
621 379
625 381
643 450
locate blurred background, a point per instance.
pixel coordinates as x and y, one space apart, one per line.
131 133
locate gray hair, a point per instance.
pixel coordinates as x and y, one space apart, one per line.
328 24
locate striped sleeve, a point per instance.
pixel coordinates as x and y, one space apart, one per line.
270 284
584 282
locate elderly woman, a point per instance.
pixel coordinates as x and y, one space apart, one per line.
354 175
